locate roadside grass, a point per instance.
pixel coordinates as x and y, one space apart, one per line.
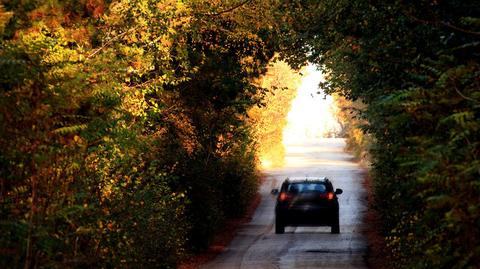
376 250
222 239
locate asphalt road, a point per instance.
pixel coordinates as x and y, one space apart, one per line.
257 246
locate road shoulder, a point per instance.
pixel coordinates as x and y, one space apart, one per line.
222 239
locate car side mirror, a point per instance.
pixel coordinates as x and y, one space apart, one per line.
274 191
338 191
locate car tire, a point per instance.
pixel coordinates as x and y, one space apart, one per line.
279 227
336 225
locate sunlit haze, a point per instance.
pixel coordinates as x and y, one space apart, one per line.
312 112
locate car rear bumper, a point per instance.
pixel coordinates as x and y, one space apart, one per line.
307 215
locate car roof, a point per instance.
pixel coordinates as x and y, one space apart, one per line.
306 179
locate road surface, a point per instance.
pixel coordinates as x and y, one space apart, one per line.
257 246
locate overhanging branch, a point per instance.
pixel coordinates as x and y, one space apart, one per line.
230 9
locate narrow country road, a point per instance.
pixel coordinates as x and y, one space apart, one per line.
256 244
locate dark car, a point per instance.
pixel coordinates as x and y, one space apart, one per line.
307 202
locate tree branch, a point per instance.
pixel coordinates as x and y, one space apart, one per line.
465 97
110 42
229 9
437 23
446 24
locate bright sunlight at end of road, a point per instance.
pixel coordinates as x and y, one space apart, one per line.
312 113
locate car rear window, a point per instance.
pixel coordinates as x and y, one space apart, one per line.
304 187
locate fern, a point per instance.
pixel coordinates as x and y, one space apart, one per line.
70 129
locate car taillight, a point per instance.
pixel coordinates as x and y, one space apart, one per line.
284 197
328 195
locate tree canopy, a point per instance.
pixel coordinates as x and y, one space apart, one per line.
126 139
414 65
124 135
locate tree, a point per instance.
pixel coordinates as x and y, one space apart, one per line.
269 119
123 121
413 65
